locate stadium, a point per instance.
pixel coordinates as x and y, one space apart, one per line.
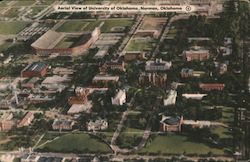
61 43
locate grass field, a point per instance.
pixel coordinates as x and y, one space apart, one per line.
227 114
45 2
177 144
3 3
11 13
222 132
129 138
109 24
75 143
13 27
4 46
66 42
24 3
76 26
88 25
36 10
139 45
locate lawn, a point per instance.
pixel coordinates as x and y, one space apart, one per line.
36 10
11 13
13 27
140 45
3 3
76 26
89 25
5 46
92 25
67 42
73 26
227 114
24 3
130 132
129 138
109 24
75 143
45 2
222 132
177 144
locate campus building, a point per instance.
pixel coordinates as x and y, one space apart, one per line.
62 124
171 124
27 119
36 69
153 78
134 55
100 124
196 55
187 73
212 86
158 65
120 98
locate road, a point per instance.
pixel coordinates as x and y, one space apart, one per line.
122 157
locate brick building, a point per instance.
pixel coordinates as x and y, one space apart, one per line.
134 55
152 78
171 124
212 86
27 119
196 55
36 69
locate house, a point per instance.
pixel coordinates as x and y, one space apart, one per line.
134 55
120 98
196 55
100 124
29 116
171 98
171 124
153 78
157 65
194 96
36 69
212 86
62 124
78 108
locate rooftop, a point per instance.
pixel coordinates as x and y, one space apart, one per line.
77 108
105 77
35 66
